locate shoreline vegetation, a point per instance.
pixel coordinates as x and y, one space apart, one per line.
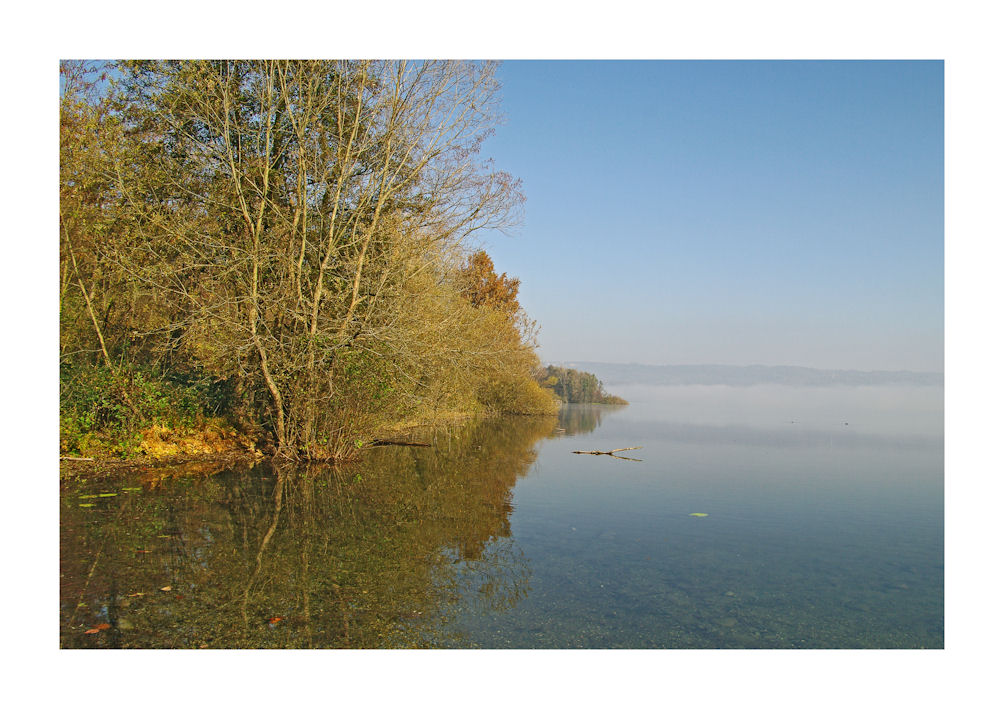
276 258
172 440
572 386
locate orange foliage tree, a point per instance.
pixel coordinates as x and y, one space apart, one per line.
484 288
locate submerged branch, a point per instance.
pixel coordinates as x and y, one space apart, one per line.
400 443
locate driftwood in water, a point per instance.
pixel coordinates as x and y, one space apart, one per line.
615 450
611 453
401 443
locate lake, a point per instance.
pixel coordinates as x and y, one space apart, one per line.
752 517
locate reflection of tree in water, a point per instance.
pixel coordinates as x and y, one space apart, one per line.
583 418
496 580
370 555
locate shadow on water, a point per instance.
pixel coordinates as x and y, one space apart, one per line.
374 554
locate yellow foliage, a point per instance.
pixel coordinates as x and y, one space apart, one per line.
214 438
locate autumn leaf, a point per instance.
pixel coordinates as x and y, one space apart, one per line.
103 626
166 588
92 630
273 621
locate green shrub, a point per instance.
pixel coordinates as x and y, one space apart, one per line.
102 409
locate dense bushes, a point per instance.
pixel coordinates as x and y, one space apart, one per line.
104 411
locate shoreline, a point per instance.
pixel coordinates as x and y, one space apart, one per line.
238 450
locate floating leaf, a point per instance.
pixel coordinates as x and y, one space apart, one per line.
273 621
108 494
87 504
143 551
92 630
103 626
88 497
133 595
166 588
698 514
132 489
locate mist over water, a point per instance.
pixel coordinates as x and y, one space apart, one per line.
871 411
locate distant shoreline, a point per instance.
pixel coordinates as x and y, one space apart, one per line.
614 374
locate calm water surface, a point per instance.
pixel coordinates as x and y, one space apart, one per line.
823 529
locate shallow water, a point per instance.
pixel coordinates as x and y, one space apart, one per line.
823 528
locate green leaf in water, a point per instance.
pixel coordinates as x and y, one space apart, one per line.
87 504
88 497
132 489
698 514
108 494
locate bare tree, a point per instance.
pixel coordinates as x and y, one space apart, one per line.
296 218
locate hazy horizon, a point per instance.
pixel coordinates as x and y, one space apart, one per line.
571 363
614 375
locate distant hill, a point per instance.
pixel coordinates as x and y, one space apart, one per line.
613 374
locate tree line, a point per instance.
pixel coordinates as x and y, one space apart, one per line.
286 244
575 387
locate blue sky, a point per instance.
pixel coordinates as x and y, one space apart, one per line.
728 212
